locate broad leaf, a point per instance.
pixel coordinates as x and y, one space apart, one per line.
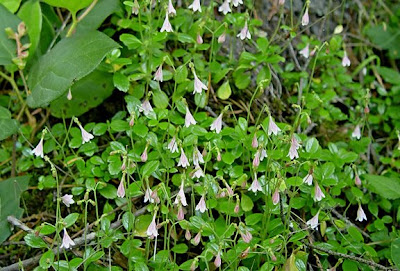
10 192
11 5
72 5
8 47
396 252
8 126
70 60
386 187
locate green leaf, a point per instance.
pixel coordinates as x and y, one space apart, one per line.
109 192
87 93
47 259
8 47
8 126
149 168
72 5
386 187
224 91
395 250
130 41
181 74
70 219
11 5
246 203
180 248
10 193
160 99
34 241
312 145
70 60
31 14
355 234
121 82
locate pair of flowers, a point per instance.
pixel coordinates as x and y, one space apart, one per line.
305 52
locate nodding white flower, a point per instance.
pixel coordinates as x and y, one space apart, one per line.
217 261
254 142
201 206
154 197
183 161
146 107
305 52
199 39
121 189
221 39
272 127
69 95
360 214
293 148
135 7
281 2
225 8
67 241
198 172
357 180
219 158
256 160
148 195
237 207
357 132
306 19
166 25
308 179
173 146
275 197
313 222
244 33
237 2
345 61
217 124
189 118
195 6
198 85
255 185
196 239
318 194
171 9
152 229
188 235
181 214
263 154
67 200
38 150
143 157
86 137
180 197
197 157
158 76
246 236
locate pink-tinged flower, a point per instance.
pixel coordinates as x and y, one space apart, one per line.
357 132
217 261
158 76
219 158
143 157
237 2
313 222
188 235
196 239
152 229
86 137
360 214
121 189
132 121
263 154
357 180
305 52
69 95
345 61
255 185
237 208
293 148
67 241
275 197
197 157
221 39
154 197
245 253
229 190
181 214
306 19
195 6
217 124
246 236
171 9
166 25
312 53
244 33
199 39
189 118
308 179
180 197
198 85
198 172
318 194
256 160
135 7
281 2
173 146
183 161
67 200
147 196
146 107
201 206
225 8
254 142
38 151
272 127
